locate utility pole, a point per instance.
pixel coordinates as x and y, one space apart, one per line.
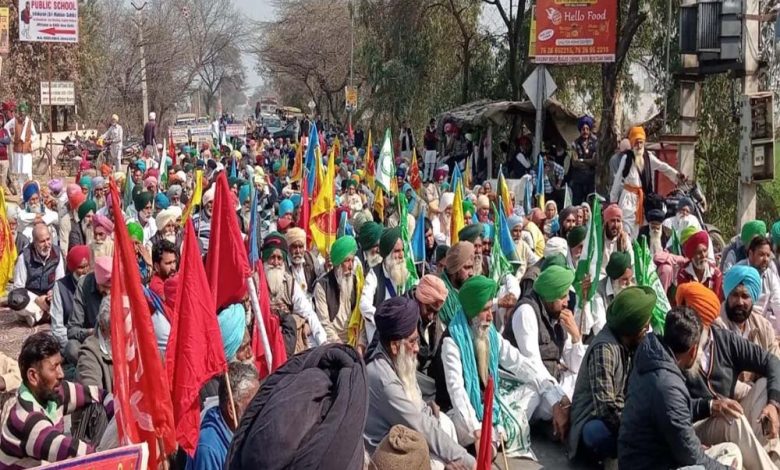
144 92
746 197
351 55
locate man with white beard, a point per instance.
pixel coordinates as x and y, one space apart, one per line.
102 243
305 269
441 224
524 255
384 280
368 239
81 229
34 212
699 267
471 353
393 393
473 233
335 295
288 301
168 227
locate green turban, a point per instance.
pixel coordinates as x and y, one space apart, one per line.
468 206
619 261
576 236
141 200
475 293
553 283
342 248
24 107
776 233
369 235
388 239
136 231
688 232
752 229
277 166
351 183
272 242
554 260
470 233
630 310
86 207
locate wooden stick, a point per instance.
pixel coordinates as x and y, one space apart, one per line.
503 452
230 398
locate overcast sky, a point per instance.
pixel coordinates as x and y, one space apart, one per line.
255 10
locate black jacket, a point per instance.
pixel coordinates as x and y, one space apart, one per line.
656 429
730 356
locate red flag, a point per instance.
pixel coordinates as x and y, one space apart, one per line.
227 264
414 174
272 328
303 221
171 147
142 397
194 355
485 451
350 132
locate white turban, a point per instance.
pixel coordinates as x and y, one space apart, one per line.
446 201
208 196
556 246
166 216
152 116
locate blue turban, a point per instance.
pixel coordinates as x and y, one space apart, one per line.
286 207
296 200
141 165
29 190
584 121
745 275
86 181
244 193
232 325
161 201
400 172
488 231
514 220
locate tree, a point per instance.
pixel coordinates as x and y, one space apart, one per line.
466 15
513 18
225 69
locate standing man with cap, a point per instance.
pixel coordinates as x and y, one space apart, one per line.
114 137
600 389
86 306
22 129
150 135
583 161
394 396
335 293
385 280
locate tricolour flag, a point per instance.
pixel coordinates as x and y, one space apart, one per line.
193 356
385 168
8 252
457 222
142 395
647 276
323 221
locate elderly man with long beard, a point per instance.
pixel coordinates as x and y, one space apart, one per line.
394 395
473 233
335 294
168 227
441 224
471 353
81 231
143 206
102 243
289 301
724 408
305 268
202 220
368 239
524 255
458 267
385 280
34 211
543 329
699 267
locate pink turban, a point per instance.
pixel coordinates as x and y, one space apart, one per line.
431 290
612 211
150 181
103 267
99 220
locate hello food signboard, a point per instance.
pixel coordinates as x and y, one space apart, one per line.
575 31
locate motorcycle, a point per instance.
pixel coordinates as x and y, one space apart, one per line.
692 191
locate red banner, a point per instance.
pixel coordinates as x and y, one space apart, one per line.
575 31
132 457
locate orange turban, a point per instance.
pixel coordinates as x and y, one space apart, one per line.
701 299
636 133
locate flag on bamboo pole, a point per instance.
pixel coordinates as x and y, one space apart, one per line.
193 356
646 276
171 147
356 321
311 154
503 193
457 222
485 451
319 175
457 177
412 279
418 238
528 192
385 168
370 164
195 200
323 221
253 249
503 235
540 181
297 171
227 263
163 171
590 260
142 396
379 204
414 174
8 252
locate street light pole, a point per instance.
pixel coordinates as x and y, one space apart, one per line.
144 92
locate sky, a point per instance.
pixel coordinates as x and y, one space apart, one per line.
255 10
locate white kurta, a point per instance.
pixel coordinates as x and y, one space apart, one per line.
628 200
21 163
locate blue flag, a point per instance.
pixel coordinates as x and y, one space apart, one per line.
504 236
539 175
418 239
311 160
254 255
529 196
233 172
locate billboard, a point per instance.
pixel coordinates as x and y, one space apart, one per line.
575 31
49 21
63 94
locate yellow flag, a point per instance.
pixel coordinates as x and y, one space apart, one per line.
197 195
7 247
356 322
379 203
503 194
457 221
318 170
297 171
323 223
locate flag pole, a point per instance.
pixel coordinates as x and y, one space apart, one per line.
230 398
503 450
260 323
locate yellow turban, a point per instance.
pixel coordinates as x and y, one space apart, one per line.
635 134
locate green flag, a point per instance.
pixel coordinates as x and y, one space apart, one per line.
647 276
412 280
